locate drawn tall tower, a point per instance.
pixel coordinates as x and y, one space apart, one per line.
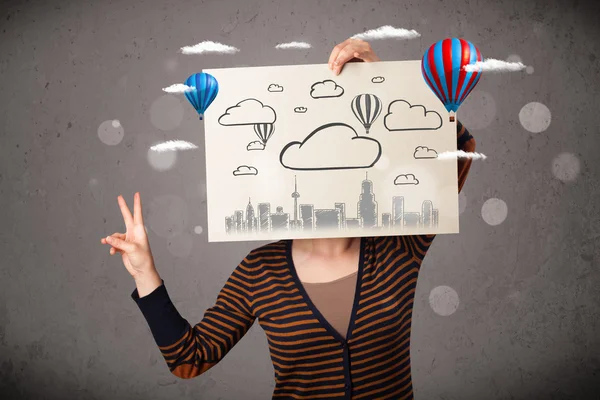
250 220
367 206
295 223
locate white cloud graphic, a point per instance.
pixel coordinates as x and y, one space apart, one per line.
424 152
300 110
245 170
248 112
293 45
387 32
452 155
378 79
173 145
179 88
326 89
402 116
273 87
493 65
256 145
209 47
407 179
332 146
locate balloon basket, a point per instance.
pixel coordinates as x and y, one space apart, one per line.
200 117
451 118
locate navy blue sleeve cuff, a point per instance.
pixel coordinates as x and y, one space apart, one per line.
165 322
464 138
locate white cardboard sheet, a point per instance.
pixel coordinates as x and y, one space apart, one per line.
288 154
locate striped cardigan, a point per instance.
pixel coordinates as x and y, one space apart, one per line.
310 358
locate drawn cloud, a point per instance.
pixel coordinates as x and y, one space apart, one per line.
245 170
408 179
248 112
424 152
273 87
256 145
378 79
402 116
329 147
326 89
300 110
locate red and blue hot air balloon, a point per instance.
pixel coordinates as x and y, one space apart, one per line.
443 70
205 89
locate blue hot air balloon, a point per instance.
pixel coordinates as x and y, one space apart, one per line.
205 90
443 70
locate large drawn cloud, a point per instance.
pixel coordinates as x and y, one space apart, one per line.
331 146
402 116
248 112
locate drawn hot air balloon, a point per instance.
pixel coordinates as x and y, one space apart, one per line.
205 89
264 131
366 108
443 70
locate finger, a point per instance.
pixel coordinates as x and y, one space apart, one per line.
126 213
120 244
137 209
343 57
114 250
117 235
366 55
336 50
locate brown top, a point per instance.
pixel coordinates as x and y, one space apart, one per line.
334 300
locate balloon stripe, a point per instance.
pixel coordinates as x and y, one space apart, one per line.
474 75
435 77
437 73
377 109
456 64
368 109
427 75
447 65
441 73
464 60
357 109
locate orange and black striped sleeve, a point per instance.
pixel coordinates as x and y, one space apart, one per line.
192 350
465 142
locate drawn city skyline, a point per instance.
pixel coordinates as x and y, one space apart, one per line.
305 217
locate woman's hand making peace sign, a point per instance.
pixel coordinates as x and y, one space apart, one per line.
134 247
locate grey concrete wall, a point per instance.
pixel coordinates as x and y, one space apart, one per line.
507 309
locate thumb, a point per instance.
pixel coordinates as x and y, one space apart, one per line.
121 244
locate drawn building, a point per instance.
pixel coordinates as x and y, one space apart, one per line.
238 219
397 211
264 217
352 223
427 214
435 217
367 206
307 216
280 220
386 219
228 225
412 219
342 208
327 219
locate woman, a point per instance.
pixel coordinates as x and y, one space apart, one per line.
336 312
